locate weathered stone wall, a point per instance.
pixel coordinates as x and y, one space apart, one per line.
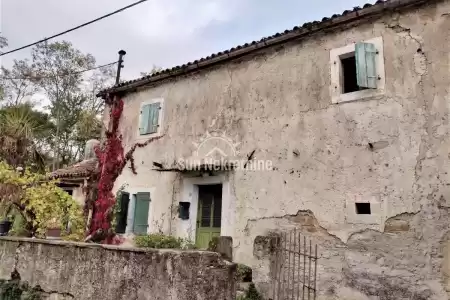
277 102
79 271
409 260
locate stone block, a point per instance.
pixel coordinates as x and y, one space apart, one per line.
225 247
264 246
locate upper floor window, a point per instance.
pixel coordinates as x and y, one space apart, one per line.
357 71
150 117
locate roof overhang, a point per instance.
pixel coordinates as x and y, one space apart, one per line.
307 29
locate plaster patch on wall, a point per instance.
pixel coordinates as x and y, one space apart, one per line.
303 218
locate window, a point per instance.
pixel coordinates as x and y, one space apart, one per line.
121 215
150 117
349 83
363 208
183 210
357 71
141 213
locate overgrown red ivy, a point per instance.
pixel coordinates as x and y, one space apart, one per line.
111 162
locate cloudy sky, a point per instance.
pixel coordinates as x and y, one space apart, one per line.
158 32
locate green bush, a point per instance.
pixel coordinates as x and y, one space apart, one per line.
161 241
251 294
158 241
244 273
19 226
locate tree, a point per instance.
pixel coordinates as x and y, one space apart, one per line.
23 135
17 83
99 80
89 124
3 43
39 201
152 71
58 69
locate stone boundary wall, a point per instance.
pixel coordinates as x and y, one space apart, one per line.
66 270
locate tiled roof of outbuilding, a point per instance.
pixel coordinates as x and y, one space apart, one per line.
336 20
81 169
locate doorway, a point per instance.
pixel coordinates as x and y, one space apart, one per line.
209 215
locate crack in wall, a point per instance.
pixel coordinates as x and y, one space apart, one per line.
421 69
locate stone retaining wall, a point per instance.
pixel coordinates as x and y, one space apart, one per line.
65 270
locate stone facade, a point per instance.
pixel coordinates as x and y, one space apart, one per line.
390 150
63 270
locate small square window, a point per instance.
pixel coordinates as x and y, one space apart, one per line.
183 210
363 208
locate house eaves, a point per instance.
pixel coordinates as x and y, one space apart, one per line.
379 8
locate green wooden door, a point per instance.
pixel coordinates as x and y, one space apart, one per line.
209 216
141 213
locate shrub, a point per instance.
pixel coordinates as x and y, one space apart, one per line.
39 200
251 294
161 241
244 273
158 241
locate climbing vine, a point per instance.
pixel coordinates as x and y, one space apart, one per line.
112 161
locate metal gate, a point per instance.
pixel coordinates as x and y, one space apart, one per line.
295 266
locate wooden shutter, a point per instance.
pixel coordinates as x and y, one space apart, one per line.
143 126
365 54
153 120
141 213
149 118
121 216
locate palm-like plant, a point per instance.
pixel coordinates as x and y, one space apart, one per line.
18 130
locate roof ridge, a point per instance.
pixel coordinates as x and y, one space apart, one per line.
289 34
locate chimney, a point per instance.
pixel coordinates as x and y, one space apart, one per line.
89 152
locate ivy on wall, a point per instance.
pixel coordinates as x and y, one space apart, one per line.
112 160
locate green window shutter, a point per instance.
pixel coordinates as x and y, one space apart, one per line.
143 126
365 54
141 213
153 119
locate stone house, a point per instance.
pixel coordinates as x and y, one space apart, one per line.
342 127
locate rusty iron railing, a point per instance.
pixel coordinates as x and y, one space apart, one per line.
295 265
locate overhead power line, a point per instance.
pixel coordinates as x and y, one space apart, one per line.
37 77
75 28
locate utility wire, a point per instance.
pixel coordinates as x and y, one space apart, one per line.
37 77
75 28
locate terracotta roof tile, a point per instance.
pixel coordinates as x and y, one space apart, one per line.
296 32
81 169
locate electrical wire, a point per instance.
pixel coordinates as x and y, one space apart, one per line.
75 28
37 77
